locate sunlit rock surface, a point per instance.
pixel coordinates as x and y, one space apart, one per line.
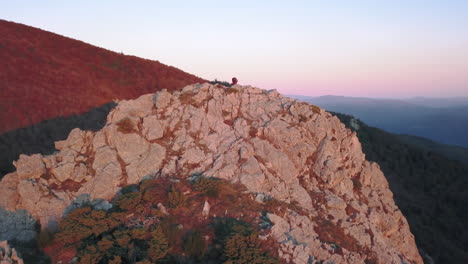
277 147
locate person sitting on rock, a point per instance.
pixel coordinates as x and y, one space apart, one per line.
234 80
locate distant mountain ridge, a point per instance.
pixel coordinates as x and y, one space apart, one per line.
446 122
44 75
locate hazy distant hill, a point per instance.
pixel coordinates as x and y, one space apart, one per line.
449 151
445 122
44 75
439 102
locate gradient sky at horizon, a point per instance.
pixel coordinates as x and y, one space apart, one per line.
368 48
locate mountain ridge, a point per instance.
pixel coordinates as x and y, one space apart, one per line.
446 125
44 75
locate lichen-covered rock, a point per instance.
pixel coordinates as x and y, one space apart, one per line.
30 166
342 210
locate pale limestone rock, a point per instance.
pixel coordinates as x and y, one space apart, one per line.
9 191
74 141
80 173
161 99
275 146
99 140
162 208
193 156
104 157
105 184
130 147
335 202
206 209
65 163
132 109
148 163
153 128
47 205
9 255
30 166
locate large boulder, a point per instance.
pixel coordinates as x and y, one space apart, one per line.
341 209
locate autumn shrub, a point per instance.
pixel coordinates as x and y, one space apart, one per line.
170 229
194 244
128 234
175 198
207 186
227 227
125 126
84 222
158 245
122 237
129 200
89 255
241 249
241 243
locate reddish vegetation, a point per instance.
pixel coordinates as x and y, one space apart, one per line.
44 75
230 230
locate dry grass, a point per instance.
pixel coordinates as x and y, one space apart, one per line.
186 98
315 109
126 126
231 90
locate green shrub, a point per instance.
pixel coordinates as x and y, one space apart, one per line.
224 83
85 222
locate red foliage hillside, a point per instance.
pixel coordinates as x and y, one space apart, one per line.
44 75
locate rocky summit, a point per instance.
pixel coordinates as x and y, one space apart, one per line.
279 148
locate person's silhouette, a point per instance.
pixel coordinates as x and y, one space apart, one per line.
234 80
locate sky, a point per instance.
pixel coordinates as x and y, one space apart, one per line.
371 48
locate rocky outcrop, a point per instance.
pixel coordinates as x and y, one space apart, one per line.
8 255
342 209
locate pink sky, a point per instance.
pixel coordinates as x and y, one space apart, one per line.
365 48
